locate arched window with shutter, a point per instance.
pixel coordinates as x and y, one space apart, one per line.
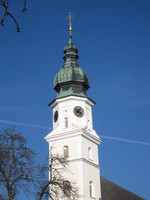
66 151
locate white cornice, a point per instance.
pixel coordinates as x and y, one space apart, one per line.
51 137
84 160
85 99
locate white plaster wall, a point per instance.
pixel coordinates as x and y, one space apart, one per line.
73 144
94 147
65 108
75 169
80 172
89 120
91 174
82 169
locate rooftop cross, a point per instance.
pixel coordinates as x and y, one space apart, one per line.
70 18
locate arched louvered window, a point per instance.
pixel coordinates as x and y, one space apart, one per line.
90 153
66 122
67 188
66 151
91 189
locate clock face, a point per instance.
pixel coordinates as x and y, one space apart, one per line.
78 111
55 116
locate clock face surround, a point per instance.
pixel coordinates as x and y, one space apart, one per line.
56 116
78 111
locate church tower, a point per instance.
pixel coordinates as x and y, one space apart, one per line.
73 135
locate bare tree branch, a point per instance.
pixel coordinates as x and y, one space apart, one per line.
5 4
57 186
16 163
25 6
19 172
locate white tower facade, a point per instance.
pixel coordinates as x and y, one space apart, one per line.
73 135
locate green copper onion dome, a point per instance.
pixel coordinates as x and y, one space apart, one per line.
71 79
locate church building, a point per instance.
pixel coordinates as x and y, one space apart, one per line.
73 135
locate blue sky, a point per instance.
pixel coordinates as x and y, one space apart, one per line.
113 39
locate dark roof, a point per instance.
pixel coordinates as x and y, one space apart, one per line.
112 191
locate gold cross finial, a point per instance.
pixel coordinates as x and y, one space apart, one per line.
70 18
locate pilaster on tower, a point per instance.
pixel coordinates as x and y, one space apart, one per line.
73 125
